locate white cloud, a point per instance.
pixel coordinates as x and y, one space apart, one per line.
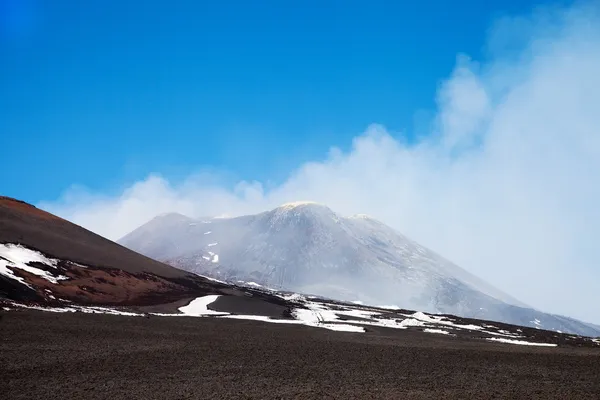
507 185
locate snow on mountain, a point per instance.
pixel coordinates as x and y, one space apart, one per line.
17 256
306 247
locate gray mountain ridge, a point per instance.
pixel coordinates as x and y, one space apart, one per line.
306 247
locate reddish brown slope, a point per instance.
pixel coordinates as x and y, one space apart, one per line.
35 228
112 274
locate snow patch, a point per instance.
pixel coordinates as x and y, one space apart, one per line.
318 313
306 315
332 327
103 310
48 309
261 318
18 256
343 328
431 319
212 244
358 313
83 309
503 333
199 307
212 279
521 342
215 258
389 307
208 233
411 322
293 297
440 331
317 316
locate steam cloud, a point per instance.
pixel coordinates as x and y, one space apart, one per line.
507 184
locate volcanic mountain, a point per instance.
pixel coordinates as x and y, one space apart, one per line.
306 247
77 311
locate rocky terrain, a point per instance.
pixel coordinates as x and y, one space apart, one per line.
306 247
47 355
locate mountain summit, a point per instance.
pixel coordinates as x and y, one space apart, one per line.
306 247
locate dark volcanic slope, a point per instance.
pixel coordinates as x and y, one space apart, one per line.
37 229
83 356
92 269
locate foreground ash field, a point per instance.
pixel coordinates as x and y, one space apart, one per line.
96 356
83 317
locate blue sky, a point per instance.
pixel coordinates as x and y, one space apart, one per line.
103 93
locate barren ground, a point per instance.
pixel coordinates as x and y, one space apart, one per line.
77 356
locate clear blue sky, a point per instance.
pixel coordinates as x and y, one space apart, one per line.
102 93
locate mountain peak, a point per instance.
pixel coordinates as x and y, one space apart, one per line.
303 212
306 208
296 204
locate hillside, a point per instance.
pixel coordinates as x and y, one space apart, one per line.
44 258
